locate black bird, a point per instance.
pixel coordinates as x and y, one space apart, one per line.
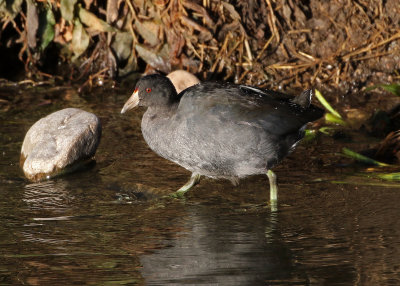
221 130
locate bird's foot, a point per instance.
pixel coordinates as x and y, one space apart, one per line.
177 195
180 194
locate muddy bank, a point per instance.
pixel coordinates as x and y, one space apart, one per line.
343 45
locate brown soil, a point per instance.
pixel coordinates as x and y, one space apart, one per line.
343 45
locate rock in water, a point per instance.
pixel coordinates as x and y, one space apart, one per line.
59 142
182 79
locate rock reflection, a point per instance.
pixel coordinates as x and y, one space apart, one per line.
48 195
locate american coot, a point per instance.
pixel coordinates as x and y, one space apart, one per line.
221 130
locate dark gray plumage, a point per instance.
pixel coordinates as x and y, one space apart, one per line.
221 130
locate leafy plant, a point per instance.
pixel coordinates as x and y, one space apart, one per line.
332 116
393 88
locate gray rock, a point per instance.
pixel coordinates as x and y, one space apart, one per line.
59 143
182 79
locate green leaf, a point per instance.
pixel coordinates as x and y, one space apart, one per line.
390 176
80 39
331 118
46 28
327 130
363 181
361 158
326 104
394 88
310 135
67 9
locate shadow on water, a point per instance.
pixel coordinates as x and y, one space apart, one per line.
110 225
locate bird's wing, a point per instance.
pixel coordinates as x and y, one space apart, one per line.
214 104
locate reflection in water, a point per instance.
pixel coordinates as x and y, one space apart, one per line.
48 195
221 249
270 229
48 199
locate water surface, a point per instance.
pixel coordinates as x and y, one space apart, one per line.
109 225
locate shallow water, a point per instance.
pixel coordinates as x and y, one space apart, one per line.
109 225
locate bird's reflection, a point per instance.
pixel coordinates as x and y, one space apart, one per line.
221 250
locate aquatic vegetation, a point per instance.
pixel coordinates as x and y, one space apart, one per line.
363 159
390 176
332 116
393 88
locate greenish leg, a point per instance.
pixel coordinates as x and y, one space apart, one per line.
194 179
273 188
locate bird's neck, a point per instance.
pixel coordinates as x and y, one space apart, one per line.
157 122
159 117
162 111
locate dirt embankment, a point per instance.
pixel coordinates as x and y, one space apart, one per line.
340 44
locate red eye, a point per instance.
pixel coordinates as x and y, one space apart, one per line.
148 90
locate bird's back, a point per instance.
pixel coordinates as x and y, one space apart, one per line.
274 112
227 130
